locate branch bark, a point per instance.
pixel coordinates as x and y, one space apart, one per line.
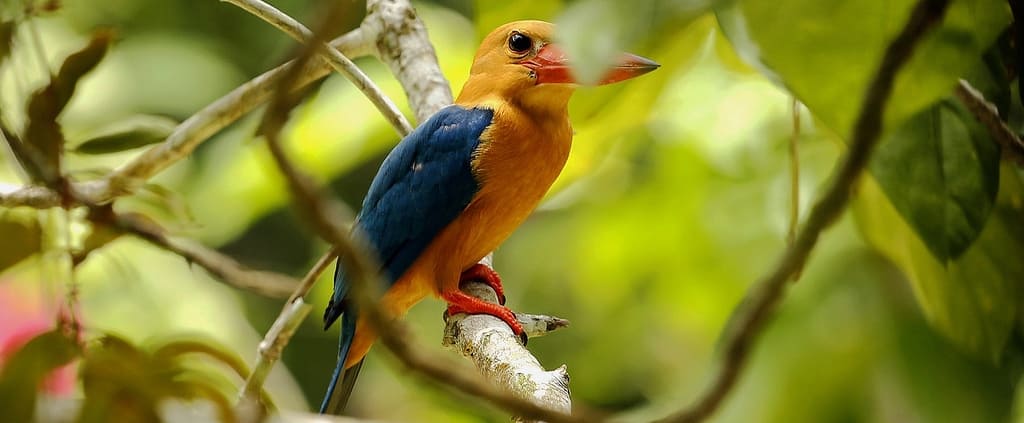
224 268
1011 145
765 296
497 353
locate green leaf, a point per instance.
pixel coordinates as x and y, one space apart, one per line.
175 349
940 170
974 299
135 132
825 52
26 369
44 140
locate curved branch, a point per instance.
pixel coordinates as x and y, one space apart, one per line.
224 268
769 290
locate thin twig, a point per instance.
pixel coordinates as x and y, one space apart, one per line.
292 315
988 115
222 267
753 316
335 58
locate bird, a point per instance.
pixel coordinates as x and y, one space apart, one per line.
456 187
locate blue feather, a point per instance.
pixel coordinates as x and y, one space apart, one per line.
422 186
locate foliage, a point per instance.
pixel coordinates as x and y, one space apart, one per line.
676 196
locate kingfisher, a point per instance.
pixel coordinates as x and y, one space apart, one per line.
456 187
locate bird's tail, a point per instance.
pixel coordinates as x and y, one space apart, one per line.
342 380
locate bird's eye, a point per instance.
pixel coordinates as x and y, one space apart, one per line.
519 43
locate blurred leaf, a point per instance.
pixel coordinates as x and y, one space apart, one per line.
21 239
940 170
596 32
167 201
826 51
974 299
6 36
44 140
173 350
24 371
125 383
135 132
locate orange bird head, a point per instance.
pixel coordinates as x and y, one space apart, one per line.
518 63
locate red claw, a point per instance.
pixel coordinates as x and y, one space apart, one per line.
483 273
459 302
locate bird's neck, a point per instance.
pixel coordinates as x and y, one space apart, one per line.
545 105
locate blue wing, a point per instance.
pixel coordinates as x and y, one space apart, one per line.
422 186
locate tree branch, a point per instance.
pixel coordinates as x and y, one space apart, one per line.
336 59
759 305
501 358
222 267
404 46
988 115
292 314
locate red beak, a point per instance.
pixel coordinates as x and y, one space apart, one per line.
552 67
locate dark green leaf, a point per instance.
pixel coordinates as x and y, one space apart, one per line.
136 132
6 36
21 238
26 369
940 169
44 140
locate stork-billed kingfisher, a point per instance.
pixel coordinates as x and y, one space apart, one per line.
457 186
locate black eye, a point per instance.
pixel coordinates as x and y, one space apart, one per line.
519 43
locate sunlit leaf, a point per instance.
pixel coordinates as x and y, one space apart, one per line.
25 370
138 131
123 382
940 170
825 51
44 140
974 299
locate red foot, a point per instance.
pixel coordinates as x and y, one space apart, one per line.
459 302
485 274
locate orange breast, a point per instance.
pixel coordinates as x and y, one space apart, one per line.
519 158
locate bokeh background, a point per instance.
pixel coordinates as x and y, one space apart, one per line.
675 199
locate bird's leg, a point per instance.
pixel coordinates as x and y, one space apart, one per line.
483 273
460 302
